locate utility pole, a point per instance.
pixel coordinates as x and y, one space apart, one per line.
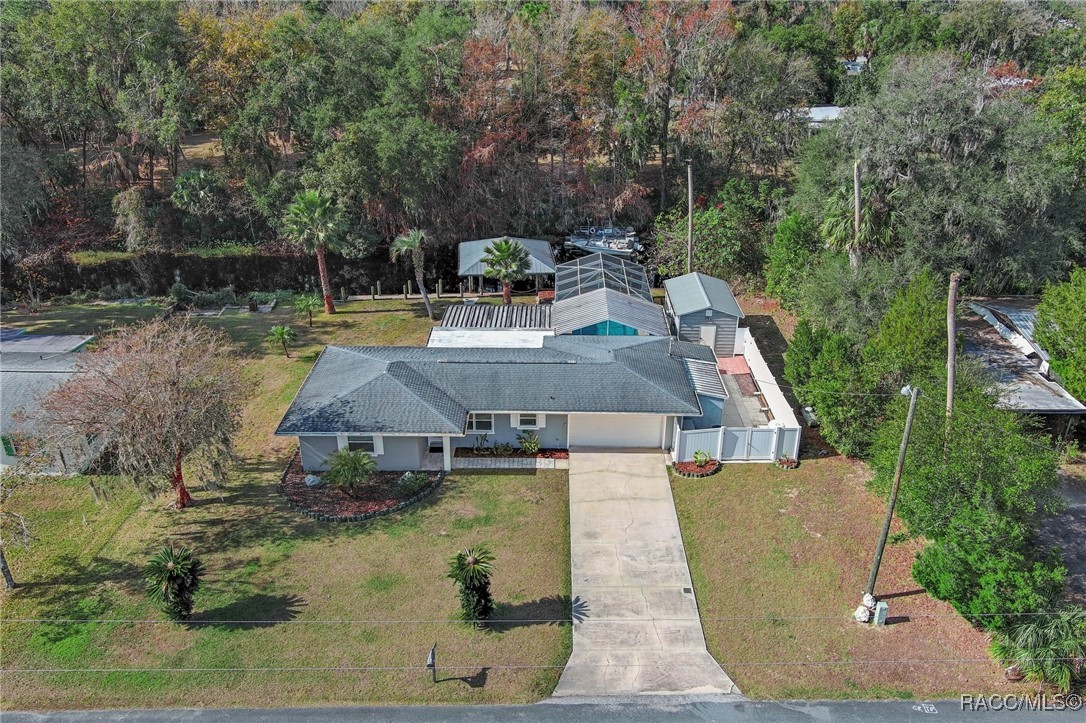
689 215
853 256
913 393
951 344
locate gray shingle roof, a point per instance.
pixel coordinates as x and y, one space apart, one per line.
577 312
26 377
430 390
540 256
497 316
599 271
697 292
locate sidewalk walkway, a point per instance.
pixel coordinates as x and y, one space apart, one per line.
636 627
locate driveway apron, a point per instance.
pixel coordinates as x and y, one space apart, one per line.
636 628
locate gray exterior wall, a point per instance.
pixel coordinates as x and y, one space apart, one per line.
400 453
551 436
713 413
689 329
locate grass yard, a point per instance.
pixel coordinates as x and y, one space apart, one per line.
317 587
780 559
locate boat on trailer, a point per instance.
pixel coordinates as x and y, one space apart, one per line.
610 240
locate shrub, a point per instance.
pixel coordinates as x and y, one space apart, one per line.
1046 648
147 220
842 393
411 483
789 256
349 470
701 458
502 449
529 442
173 577
470 569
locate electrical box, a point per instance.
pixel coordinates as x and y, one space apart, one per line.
881 611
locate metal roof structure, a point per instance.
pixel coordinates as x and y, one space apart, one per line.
25 377
599 271
706 378
15 340
431 390
694 292
495 316
540 256
1014 365
593 307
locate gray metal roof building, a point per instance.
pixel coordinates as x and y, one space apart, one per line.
497 316
17 340
431 390
24 378
598 271
697 292
608 307
540 256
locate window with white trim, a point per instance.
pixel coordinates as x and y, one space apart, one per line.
480 422
530 420
364 443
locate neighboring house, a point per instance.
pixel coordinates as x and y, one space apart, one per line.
404 404
999 333
704 310
598 271
17 340
25 378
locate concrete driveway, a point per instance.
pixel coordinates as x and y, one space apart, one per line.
636 629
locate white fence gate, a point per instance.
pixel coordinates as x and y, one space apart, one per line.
738 444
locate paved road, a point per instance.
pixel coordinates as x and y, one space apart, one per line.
629 571
645 711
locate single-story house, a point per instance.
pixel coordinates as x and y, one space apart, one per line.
600 271
17 340
540 256
25 378
999 333
703 309
404 404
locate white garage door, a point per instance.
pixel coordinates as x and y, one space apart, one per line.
615 430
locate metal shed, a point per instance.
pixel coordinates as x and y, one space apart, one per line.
598 271
703 309
606 312
540 256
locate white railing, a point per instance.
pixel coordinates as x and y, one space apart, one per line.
737 444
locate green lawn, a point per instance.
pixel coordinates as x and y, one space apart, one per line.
780 559
319 586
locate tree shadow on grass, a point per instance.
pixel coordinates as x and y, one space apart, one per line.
551 610
474 681
70 579
254 611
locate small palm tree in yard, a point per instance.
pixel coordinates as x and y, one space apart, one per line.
283 335
410 244
350 470
507 261
470 569
313 222
1046 648
306 304
173 577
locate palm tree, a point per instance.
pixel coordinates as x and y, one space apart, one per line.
313 222
470 569
507 261
410 244
284 335
878 222
1046 648
350 470
173 577
307 304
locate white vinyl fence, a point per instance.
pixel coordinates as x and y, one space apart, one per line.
738 444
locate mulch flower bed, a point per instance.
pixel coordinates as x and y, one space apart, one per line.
694 470
326 502
541 454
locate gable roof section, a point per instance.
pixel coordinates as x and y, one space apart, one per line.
430 390
540 255
599 271
577 312
696 292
